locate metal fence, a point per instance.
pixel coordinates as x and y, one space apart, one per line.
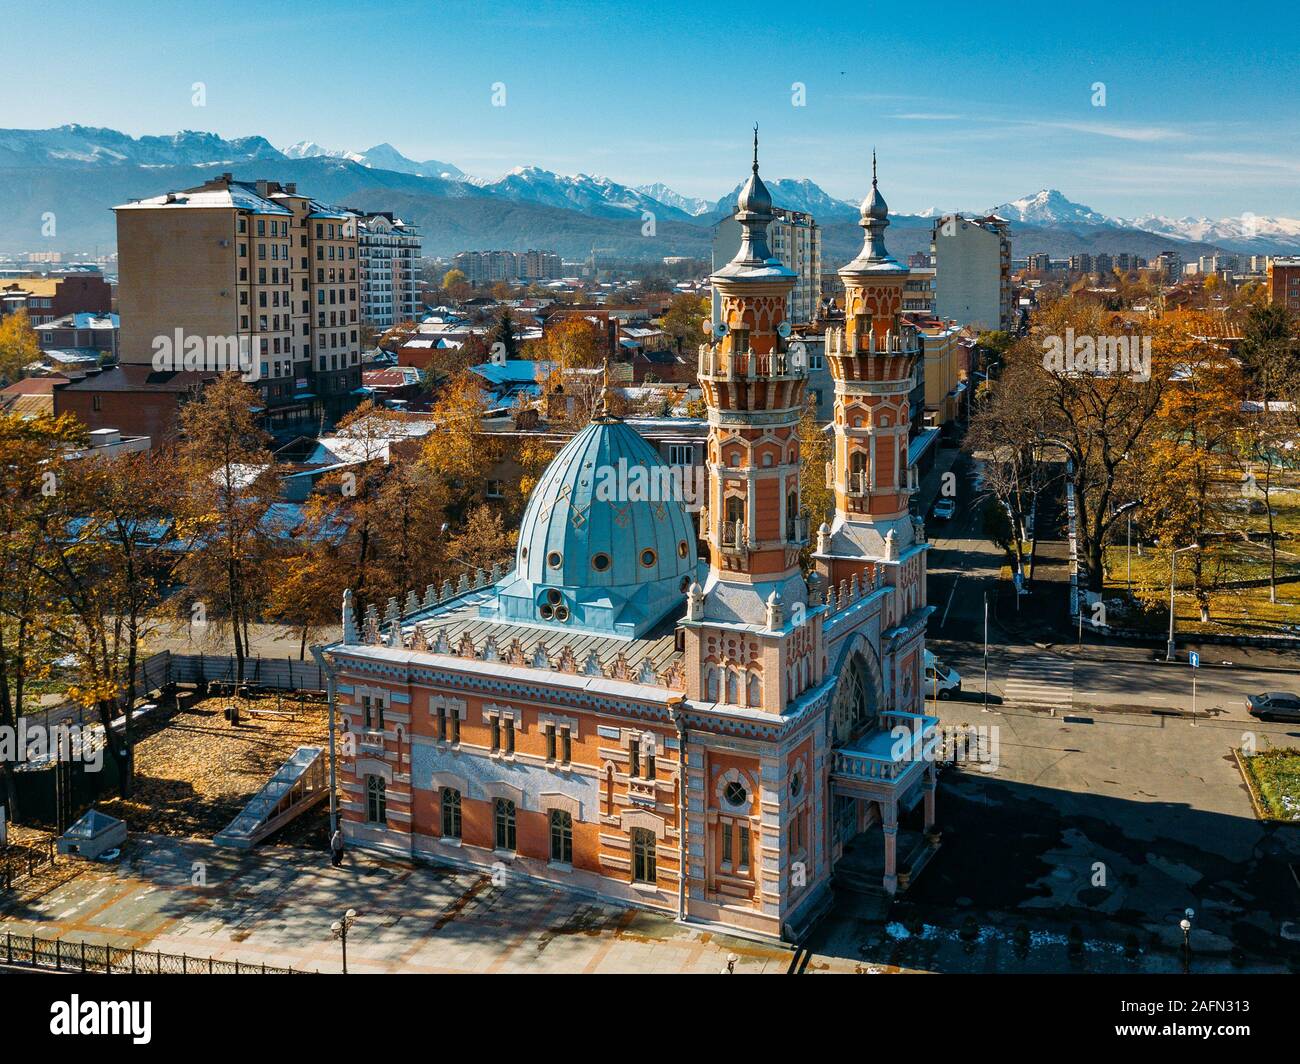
17 861
60 956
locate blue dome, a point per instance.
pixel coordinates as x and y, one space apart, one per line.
606 544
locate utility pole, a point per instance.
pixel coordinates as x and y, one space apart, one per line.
986 651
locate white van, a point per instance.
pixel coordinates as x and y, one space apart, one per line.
941 677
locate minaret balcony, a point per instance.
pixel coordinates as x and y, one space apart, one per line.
747 365
796 530
857 485
732 539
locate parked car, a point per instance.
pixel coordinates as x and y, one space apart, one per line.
944 509
940 679
1274 704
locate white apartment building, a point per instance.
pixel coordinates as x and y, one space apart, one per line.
488 267
389 252
972 261
795 239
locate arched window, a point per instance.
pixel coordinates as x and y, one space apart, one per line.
755 690
450 813
561 836
711 684
643 855
504 817
733 688
376 800
733 514
609 791
792 515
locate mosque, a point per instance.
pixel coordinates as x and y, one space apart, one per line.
678 717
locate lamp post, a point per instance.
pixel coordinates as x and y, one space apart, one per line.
340 929
1173 565
1185 924
1128 509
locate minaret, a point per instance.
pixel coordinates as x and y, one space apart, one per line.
873 360
754 524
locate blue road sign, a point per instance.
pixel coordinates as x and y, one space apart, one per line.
1194 659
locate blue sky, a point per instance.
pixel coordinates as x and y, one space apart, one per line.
968 105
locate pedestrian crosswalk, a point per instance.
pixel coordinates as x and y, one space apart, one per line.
1040 680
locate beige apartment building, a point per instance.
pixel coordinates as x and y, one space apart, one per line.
256 270
972 260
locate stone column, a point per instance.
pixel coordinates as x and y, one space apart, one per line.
889 824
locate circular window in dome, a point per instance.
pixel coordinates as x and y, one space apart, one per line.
796 785
561 613
648 557
735 794
555 559
546 612
683 549
553 596
600 562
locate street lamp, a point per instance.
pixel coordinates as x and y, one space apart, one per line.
730 969
1173 563
1186 925
340 929
1128 509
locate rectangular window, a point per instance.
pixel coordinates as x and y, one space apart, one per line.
451 813
550 742
634 759
442 722
742 849
510 735
376 800
561 836
643 856
365 699
496 734
566 746
726 842
455 727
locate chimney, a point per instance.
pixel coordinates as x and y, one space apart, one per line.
263 188
292 188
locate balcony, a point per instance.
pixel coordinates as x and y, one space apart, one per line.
746 365
733 537
796 530
857 485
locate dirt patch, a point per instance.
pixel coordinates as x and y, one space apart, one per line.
194 771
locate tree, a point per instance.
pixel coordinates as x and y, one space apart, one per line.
30 451
684 320
229 485
484 541
816 497
1182 462
569 344
18 346
108 555
503 333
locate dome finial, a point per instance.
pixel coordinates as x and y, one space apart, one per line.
873 167
603 404
755 147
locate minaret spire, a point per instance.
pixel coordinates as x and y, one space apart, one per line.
755 147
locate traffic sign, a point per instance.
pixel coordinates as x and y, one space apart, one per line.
1194 659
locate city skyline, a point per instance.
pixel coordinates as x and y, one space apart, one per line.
950 136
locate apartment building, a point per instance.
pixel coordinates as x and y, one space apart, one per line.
46 298
256 269
389 251
972 260
489 267
919 290
1284 282
795 239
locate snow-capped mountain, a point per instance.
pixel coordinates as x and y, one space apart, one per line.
380 157
74 145
583 192
1049 207
796 194
692 205
1246 232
